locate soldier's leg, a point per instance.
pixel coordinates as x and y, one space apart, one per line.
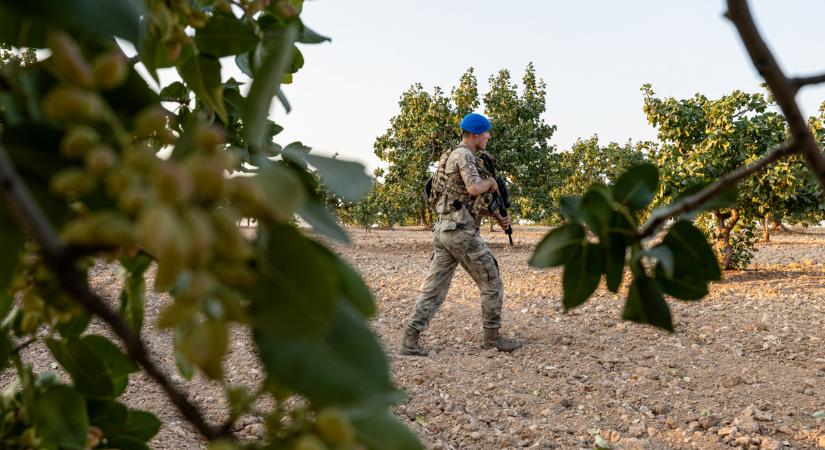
480 264
435 287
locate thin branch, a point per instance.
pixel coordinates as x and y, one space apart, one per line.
798 82
696 200
61 261
782 88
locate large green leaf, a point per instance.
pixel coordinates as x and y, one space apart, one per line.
619 237
314 212
124 428
691 252
636 187
581 275
684 287
347 179
225 35
60 417
21 30
101 18
202 73
308 36
96 365
556 247
595 210
134 290
645 304
341 366
352 287
11 244
278 50
296 292
384 431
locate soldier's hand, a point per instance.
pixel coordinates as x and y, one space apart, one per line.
493 185
503 222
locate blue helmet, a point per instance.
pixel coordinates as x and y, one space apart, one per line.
475 123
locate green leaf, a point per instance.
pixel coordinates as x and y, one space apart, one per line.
347 179
341 366
352 287
242 61
202 73
569 206
308 36
317 215
691 252
267 81
595 210
60 417
557 246
21 30
96 365
615 256
664 259
684 287
726 199
76 326
134 290
383 431
296 294
132 96
175 92
645 304
636 187
124 428
101 18
225 35
11 244
581 275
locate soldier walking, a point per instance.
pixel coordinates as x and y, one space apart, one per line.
457 190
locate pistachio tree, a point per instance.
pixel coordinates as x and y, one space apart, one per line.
81 182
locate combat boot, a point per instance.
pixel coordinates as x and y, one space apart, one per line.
411 346
492 339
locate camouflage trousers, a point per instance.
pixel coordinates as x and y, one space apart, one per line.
451 247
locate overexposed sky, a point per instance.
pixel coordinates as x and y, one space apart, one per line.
594 56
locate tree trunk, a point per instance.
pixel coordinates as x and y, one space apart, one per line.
766 229
724 226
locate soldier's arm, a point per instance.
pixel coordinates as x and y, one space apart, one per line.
472 180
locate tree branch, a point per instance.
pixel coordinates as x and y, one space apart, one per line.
61 261
798 82
694 201
782 88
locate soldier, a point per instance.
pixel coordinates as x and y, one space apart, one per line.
456 191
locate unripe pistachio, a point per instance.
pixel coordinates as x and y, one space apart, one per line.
234 275
93 437
157 229
72 183
200 285
113 230
149 121
335 426
77 140
309 442
229 243
285 9
69 60
72 104
141 157
111 69
173 50
249 197
29 439
171 183
201 235
198 19
100 159
207 173
132 200
209 137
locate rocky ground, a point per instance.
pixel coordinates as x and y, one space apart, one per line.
745 368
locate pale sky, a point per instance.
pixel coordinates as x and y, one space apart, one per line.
594 56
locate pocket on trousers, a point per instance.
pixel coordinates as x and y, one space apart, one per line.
486 261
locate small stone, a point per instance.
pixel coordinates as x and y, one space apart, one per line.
724 431
615 436
742 441
746 424
808 391
475 435
769 444
671 422
708 422
256 429
821 442
693 426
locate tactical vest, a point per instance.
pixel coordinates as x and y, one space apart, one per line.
452 186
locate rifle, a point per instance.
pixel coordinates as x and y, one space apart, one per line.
500 199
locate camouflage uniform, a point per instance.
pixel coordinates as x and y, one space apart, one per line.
456 240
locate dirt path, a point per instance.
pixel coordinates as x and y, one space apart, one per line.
746 366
